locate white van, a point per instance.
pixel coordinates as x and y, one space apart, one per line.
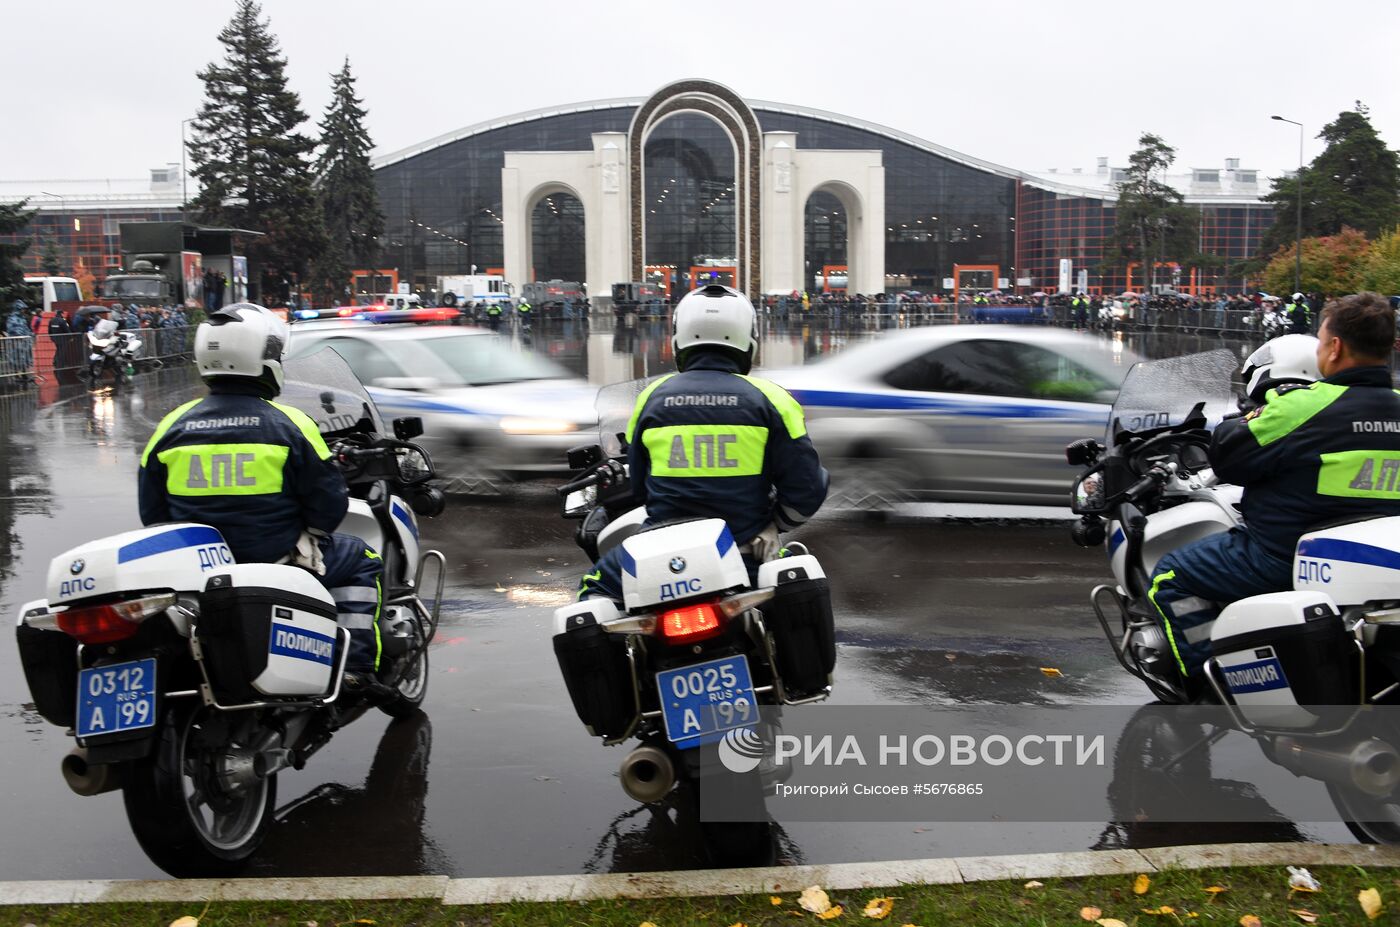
56 290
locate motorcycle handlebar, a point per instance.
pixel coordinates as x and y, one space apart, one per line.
582 482
1153 478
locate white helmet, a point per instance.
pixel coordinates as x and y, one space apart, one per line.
103 333
718 316
242 340
1287 359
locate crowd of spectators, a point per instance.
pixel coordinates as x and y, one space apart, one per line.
165 331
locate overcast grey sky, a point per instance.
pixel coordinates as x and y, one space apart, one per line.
97 88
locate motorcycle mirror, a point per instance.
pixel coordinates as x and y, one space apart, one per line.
428 501
1089 531
585 456
408 427
1083 452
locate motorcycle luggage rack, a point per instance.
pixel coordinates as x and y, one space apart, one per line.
1212 667
637 715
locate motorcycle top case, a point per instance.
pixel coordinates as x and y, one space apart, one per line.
1281 652
680 561
267 630
177 556
1353 563
800 618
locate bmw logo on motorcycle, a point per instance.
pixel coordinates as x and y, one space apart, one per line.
76 566
677 564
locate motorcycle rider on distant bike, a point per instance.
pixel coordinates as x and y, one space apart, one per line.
713 442
1305 456
262 475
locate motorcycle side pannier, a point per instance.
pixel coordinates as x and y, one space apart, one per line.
595 667
800 618
50 666
267 630
1286 649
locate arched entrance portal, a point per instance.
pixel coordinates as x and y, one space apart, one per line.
689 200
720 116
826 241
557 240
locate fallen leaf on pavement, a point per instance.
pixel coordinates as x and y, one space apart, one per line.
814 899
1249 920
1164 909
1370 901
1215 890
186 921
829 913
1307 917
774 900
1051 671
877 909
1034 884
1141 884
1090 913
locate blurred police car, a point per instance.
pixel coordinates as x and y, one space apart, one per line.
958 413
487 408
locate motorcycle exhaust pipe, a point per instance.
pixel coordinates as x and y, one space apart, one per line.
87 778
1371 766
647 774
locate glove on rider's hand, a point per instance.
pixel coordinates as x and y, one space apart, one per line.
307 553
765 545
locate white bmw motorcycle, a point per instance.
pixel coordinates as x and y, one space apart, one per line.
697 646
190 681
1331 643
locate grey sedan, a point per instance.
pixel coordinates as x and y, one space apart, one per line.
958 413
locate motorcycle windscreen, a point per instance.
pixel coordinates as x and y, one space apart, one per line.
323 386
1161 393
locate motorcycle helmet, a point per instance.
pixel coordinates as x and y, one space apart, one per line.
718 317
242 340
1286 359
1297 296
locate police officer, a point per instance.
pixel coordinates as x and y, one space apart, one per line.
262 475
713 442
1298 315
1311 454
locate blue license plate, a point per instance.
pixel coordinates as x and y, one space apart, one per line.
116 698
701 702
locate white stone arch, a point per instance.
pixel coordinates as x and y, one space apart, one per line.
532 199
850 199
791 176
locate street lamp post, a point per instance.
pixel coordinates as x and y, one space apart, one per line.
1298 231
184 195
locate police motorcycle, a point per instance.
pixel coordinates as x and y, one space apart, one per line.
190 681
696 646
1294 670
109 348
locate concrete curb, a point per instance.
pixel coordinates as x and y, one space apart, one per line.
776 879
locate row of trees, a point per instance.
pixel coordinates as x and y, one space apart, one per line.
1351 209
314 200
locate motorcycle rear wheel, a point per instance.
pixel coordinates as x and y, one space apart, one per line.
1370 820
185 819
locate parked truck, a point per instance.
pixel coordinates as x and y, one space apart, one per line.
467 289
554 298
166 263
642 299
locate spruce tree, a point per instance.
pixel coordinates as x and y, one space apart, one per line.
348 197
1353 183
1153 224
51 258
252 163
14 218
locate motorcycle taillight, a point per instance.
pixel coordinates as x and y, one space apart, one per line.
691 623
111 621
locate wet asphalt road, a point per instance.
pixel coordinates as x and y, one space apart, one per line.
499 778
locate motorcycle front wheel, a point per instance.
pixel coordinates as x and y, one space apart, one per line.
1370 819
195 805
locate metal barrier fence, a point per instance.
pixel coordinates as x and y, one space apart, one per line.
25 359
